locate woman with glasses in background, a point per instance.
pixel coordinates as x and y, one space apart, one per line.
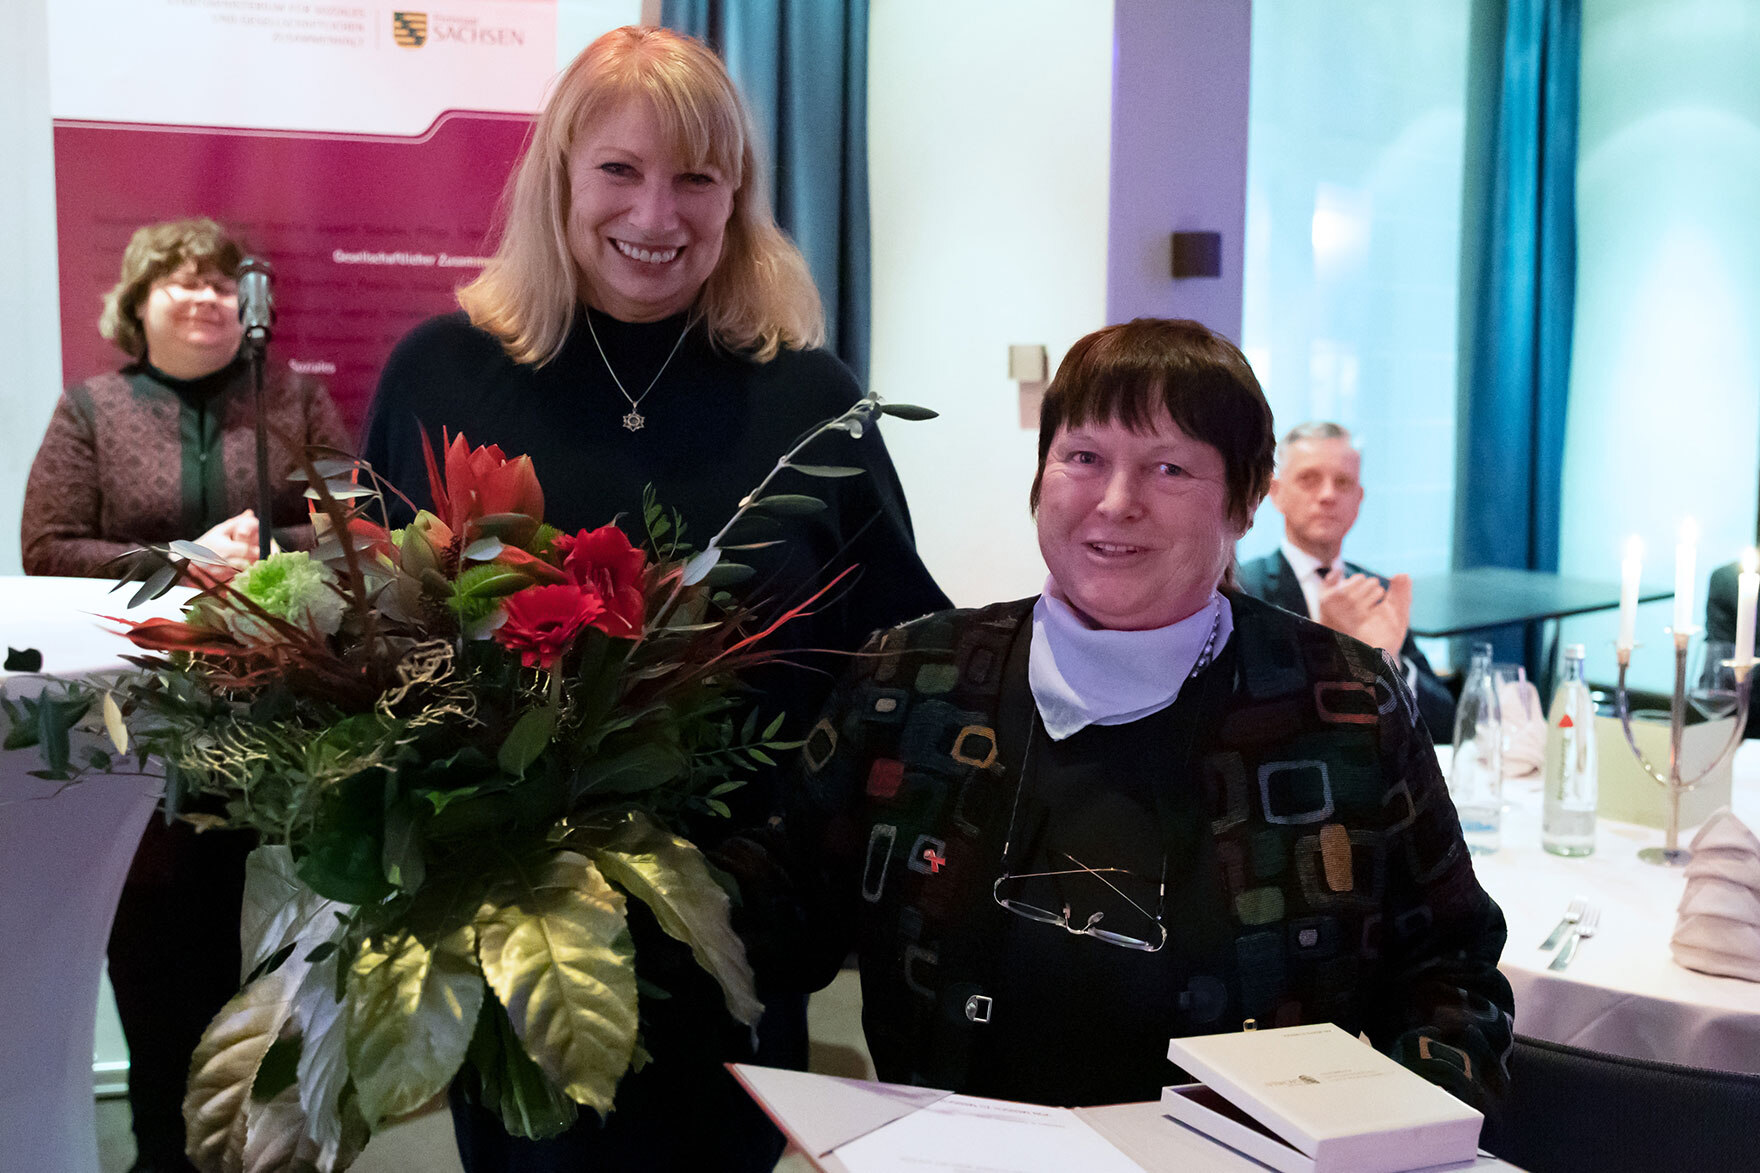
1060 831
165 448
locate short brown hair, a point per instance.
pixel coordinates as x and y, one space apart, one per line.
761 295
1124 373
155 251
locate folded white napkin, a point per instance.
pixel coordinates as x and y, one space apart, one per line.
1524 729
1719 927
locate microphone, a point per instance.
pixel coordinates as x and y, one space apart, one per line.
256 312
256 303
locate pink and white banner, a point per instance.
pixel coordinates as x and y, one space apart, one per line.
361 149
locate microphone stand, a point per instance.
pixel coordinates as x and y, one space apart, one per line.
256 311
256 343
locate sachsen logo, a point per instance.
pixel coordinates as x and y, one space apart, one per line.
410 29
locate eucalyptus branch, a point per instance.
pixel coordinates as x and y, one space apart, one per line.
864 409
851 421
338 517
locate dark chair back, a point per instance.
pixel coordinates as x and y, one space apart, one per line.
1577 1111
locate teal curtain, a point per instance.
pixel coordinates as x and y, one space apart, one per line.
1511 414
803 67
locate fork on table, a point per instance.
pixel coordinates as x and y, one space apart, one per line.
1585 929
1572 914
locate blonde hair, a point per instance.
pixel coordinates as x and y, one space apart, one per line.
156 251
760 297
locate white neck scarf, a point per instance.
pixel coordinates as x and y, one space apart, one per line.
1081 676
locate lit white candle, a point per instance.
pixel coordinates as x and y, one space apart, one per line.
1630 570
1747 596
1684 574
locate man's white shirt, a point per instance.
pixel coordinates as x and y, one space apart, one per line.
1308 572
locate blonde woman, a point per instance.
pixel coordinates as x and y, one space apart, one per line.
644 322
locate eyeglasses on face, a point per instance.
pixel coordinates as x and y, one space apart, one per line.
189 286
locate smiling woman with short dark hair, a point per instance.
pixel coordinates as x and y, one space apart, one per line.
1061 830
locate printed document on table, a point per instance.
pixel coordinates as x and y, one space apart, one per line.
966 1134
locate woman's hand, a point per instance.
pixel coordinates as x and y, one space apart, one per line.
235 540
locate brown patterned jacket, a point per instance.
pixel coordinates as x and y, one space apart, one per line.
128 460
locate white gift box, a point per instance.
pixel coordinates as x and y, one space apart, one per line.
1313 1099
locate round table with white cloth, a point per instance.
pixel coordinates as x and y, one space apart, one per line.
64 852
1623 993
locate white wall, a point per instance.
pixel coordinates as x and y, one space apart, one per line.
1353 252
30 320
1179 119
1665 371
987 153
580 22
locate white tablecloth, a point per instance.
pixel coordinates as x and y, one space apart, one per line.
64 852
1624 993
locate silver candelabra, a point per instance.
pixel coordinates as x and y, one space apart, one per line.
1671 853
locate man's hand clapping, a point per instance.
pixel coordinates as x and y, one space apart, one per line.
1360 607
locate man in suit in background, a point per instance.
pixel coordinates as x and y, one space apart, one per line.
1318 490
1720 623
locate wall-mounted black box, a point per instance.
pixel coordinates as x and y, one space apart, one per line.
1197 254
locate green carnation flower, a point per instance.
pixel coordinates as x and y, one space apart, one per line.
290 586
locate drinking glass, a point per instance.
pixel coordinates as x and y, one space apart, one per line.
1712 691
1524 726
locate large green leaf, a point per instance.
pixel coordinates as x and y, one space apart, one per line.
275 1136
669 875
640 768
280 910
411 1010
319 1017
223 1069
509 1084
555 947
403 860
529 738
344 857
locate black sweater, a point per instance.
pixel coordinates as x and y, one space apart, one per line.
716 424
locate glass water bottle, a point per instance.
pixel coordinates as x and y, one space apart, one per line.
1568 825
1475 780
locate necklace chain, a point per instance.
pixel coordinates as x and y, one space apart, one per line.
634 420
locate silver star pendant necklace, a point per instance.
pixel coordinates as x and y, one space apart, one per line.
634 421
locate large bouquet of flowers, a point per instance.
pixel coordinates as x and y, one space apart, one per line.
466 744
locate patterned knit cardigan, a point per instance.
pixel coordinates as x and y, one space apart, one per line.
1351 895
127 462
